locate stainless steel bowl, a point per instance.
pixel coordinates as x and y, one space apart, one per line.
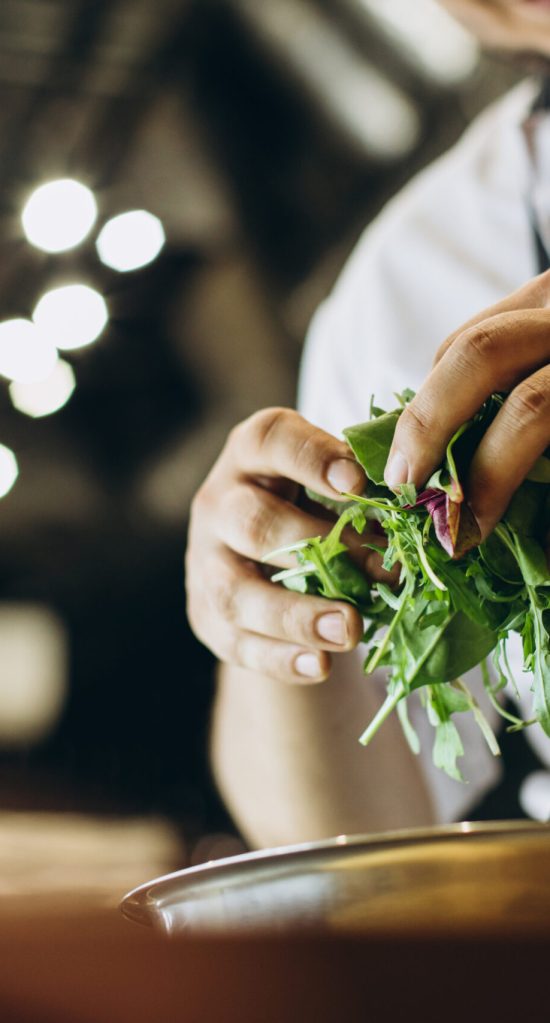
461 879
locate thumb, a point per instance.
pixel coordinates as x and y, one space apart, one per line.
280 443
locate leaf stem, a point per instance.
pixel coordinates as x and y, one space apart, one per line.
481 720
389 705
429 649
428 568
382 505
378 654
292 548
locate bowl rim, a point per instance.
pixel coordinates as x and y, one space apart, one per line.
145 901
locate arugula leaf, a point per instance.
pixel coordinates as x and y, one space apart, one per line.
405 397
500 560
443 652
541 663
371 443
457 600
408 730
447 748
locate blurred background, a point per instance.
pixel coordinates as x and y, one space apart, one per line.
180 183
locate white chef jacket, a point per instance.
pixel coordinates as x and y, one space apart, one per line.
457 239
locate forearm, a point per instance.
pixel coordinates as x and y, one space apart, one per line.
290 768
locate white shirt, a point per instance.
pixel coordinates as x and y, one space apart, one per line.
457 239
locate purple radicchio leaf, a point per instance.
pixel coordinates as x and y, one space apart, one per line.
445 480
454 522
455 525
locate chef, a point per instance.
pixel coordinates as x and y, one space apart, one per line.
452 272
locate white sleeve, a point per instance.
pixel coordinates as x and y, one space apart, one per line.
455 240
328 394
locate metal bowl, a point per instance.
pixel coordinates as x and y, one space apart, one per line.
462 879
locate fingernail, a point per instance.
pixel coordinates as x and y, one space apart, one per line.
333 628
397 470
344 475
307 665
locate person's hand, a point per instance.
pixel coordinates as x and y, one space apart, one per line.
245 509
505 348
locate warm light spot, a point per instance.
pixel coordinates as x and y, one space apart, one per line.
25 355
360 99
534 795
43 397
435 42
59 215
33 672
130 240
72 316
9 470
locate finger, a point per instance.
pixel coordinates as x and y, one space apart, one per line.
270 610
519 434
253 522
492 356
279 442
369 560
373 569
535 294
213 612
283 661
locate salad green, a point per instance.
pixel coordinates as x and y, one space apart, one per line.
457 601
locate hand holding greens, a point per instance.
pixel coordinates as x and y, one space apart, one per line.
458 599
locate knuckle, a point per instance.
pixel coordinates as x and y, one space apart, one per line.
257 524
306 451
293 624
235 436
529 401
416 418
479 343
223 595
246 517
264 424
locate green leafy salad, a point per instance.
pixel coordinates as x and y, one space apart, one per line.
457 600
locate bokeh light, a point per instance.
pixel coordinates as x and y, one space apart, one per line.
534 795
43 397
71 316
33 680
25 354
436 43
59 215
9 470
130 240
